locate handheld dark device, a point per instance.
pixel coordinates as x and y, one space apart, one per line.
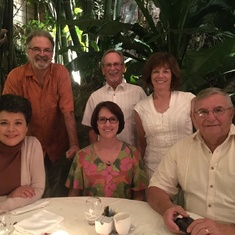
183 223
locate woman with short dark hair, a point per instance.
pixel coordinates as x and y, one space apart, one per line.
21 156
108 167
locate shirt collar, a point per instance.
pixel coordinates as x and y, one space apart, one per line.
29 70
121 86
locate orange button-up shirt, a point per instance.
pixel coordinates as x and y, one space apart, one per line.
48 104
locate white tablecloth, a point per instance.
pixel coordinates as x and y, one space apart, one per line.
144 220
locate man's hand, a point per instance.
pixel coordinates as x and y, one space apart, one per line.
22 191
205 226
72 151
170 216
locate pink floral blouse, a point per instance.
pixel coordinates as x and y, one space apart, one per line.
95 178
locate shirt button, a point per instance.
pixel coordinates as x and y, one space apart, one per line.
212 168
209 205
211 186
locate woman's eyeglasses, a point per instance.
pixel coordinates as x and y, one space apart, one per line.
103 120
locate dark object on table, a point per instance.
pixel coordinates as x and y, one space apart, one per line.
108 212
183 223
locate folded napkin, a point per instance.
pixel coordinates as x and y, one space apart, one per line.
33 206
39 223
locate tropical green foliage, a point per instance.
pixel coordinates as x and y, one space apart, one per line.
199 33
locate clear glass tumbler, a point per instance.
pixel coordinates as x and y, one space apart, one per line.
94 209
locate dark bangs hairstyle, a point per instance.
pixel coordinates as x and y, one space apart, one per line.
114 109
162 59
16 104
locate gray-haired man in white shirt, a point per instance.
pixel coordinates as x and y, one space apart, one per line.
203 166
117 90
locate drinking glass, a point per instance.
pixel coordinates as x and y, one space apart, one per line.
5 222
93 209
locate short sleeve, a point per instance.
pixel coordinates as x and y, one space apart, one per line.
140 180
74 179
165 176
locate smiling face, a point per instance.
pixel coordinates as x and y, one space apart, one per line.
107 130
112 68
214 129
13 128
40 52
161 78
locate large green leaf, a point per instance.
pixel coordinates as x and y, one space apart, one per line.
199 65
103 28
113 27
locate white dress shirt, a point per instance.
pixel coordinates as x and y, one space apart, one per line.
126 96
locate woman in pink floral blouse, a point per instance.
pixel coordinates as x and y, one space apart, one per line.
108 167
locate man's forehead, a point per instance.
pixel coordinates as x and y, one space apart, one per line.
112 56
40 39
213 100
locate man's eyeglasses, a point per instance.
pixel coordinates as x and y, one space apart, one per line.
38 50
218 111
116 65
103 120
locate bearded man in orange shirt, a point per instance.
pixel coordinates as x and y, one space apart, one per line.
48 87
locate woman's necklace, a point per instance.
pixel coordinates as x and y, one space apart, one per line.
108 153
161 105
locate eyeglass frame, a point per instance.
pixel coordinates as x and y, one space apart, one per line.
115 65
206 112
112 120
37 50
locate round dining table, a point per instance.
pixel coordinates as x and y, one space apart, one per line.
144 220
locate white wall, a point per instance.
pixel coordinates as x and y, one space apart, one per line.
23 12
